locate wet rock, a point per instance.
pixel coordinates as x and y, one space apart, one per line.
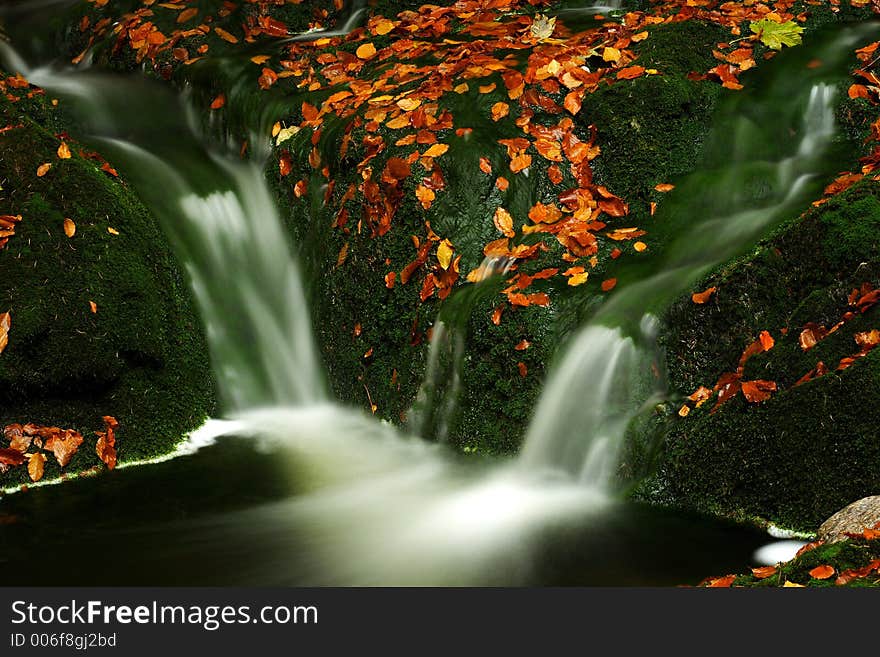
853 519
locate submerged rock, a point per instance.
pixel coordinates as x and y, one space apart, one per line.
853 519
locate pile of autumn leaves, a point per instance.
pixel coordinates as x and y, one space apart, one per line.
729 384
29 443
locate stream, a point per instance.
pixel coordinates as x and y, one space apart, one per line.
341 498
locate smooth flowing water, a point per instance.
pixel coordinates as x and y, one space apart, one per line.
347 499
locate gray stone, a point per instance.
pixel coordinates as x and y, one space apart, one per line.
853 519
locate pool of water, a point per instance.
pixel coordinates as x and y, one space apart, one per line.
226 515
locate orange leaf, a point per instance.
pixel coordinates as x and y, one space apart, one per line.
63 443
722 582
822 572
64 151
764 572
630 72
425 195
758 391
499 111
36 462
93 307
609 284
523 370
389 279
704 296
520 162
503 222
365 51
436 150
226 36
43 169
664 187
5 326
187 14
218 102
640 246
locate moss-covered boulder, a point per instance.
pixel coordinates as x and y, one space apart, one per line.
102 321
812 446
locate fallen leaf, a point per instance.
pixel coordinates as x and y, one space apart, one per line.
218 102
609 284
792 585
43 169
523 370
640 246
775 35
436 150
36 463
503 222
63 443
500 110
664 187
64 151
704 296
722 582
69 228
10 456
5 326
758 391
366 51
542 27
764 572
822 572
94 307
444 253
105 447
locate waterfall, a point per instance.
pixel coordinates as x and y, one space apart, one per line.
226 231
592 394
376 505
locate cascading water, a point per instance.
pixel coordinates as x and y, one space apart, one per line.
381 507
594 391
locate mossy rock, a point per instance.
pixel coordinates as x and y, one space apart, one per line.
140 355
811 448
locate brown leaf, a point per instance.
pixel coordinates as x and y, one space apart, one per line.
704 296
822 572
722 582
764 572
503 222
758 391
63 443
630 72
5 326
36 462
11 456
366 51
105 447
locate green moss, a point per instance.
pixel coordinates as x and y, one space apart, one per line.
851 554
142 356
651 130
809 450
681 48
